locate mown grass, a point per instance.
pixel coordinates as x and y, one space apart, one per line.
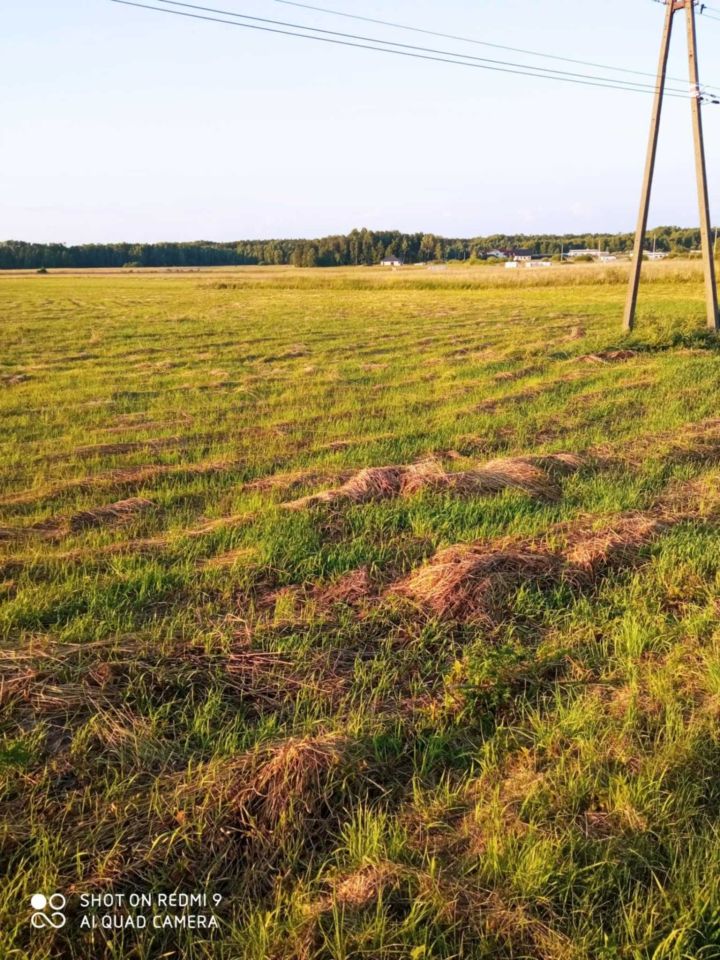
205 690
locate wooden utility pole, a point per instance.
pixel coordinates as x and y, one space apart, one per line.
636 267
713 321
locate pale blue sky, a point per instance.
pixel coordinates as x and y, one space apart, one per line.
122 124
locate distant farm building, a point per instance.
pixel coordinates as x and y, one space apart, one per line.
656 254
392 261
496 255
522 256
595 254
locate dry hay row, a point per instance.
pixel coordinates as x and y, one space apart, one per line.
534 475
107 514
693 441
123 477
236 813
120 448
607 356
143 546
53 681
474 581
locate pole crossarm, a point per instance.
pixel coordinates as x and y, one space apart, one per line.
713 320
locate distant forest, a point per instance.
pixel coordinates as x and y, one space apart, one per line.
364 247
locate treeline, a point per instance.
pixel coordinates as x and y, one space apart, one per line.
360 247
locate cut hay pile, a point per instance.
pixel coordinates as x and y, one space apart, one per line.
607 356
359 889
263 679
58 526
110 513
12 380
290 780
229 559
372 483
591 552
350 588
473 582
532 475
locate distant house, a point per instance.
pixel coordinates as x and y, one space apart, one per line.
522 256
595 254
392 261
496 255
656 254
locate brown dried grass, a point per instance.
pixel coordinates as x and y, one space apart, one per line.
350 588
111 513
358 889
114 449
372 483
590 552
12 380
127 476
473 582
532 475
229 559
607 356
289 779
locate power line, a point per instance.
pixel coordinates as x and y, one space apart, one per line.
408 46
484 43
405 46
446 57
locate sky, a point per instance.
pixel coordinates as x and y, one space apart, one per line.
125 124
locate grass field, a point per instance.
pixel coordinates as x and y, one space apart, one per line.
382 605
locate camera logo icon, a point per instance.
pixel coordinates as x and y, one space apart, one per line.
48 911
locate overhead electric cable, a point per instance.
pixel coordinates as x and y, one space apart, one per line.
407 51
483 43
406 46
